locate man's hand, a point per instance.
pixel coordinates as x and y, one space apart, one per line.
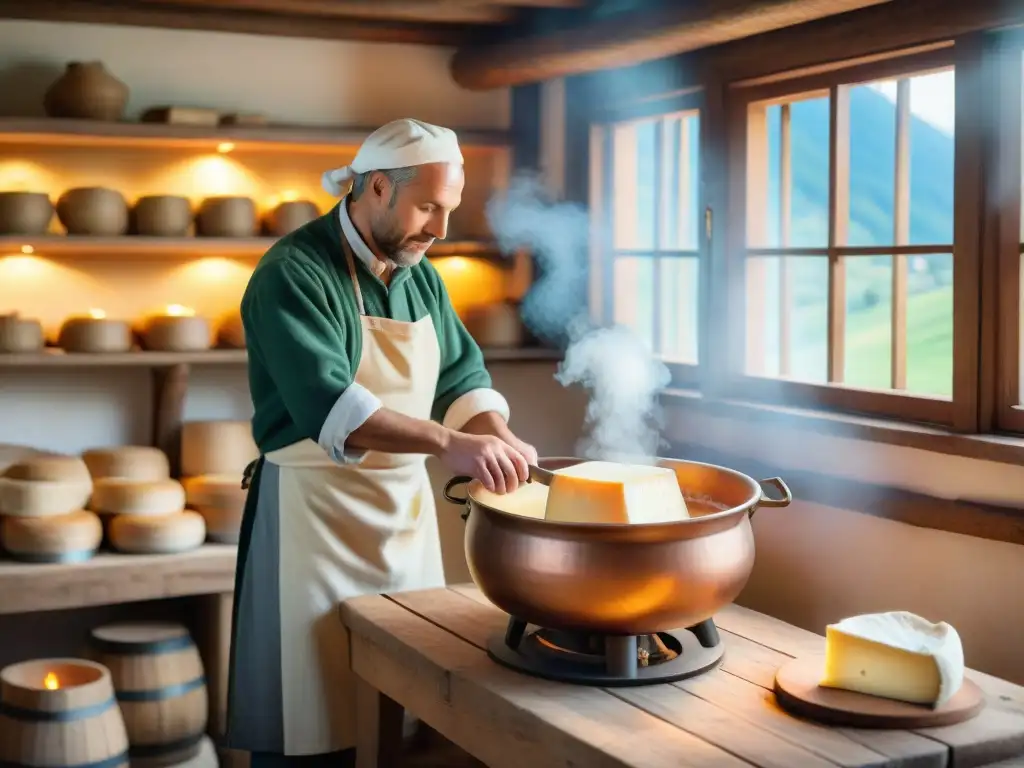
490 423
487 458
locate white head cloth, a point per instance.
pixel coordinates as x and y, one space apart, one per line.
399 144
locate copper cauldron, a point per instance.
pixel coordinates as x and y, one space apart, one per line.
616 579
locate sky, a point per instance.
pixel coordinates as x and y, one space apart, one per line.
931 98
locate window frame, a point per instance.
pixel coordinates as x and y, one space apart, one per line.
1005 245
959 412
601 201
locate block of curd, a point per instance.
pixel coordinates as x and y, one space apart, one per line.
895 655
609 492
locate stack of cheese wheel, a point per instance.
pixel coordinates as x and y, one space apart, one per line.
42 497
214 455
160 686
143 506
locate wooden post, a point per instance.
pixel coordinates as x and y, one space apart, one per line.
170 386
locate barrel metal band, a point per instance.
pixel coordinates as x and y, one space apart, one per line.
159 694
151 647
63 716
110 762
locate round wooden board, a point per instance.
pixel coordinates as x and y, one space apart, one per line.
797 691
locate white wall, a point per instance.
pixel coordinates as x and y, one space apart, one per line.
290 80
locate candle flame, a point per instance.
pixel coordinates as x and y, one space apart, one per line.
50 682
177 310
97 314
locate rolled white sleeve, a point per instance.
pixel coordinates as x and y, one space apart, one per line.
473 403
349 412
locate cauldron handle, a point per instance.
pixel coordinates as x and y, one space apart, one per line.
767 501
460 500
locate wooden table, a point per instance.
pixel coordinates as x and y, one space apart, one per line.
424 651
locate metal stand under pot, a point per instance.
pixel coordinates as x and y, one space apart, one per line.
608 660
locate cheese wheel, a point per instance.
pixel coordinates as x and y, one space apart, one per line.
13 454
55 539
52 467
613 493
157 534
216 448
36 498
131 462
115 495
220 499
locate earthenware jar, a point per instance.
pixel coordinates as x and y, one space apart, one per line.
86 91
25 213
94 211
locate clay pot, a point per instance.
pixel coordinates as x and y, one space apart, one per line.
162 216
20 335
25 213
94 211
86 91
289 216
227 216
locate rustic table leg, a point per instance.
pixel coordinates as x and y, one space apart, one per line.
379 728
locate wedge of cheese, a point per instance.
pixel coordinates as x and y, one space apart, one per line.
613 493
895 655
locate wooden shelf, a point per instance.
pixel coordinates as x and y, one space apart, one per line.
109 579
86 133
72 246
55 358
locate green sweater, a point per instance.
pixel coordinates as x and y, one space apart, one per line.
303 334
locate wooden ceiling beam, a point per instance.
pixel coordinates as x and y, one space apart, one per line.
826 43
437 12
633 38
130 13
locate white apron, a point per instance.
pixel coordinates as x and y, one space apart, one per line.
342 531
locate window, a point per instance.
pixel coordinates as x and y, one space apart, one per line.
1008 146
847 255
645 193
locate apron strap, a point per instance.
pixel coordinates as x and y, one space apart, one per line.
347 249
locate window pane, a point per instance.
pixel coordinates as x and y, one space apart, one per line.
787 317
931 158
627 234
634 295
788 170
679 291
873 138
872 164
681 153
868 351
930 325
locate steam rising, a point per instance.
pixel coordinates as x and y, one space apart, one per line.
622 376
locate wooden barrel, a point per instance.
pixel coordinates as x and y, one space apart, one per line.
60 713
158 680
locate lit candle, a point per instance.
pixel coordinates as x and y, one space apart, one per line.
97 314
50 682
177 310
